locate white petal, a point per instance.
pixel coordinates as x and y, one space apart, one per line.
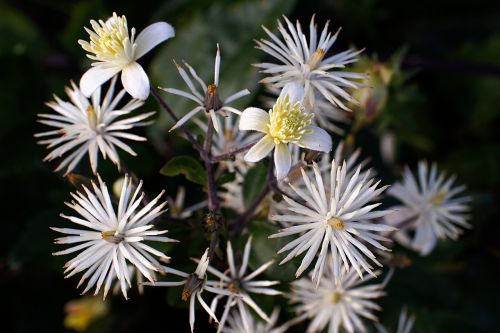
135 81
254 119
260 150
95 77
152 36
282 160
318 140
295 92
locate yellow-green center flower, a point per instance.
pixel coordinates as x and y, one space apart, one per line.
288 122
115 49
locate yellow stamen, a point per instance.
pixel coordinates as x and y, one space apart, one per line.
438 199
316 58
111 237
288 123
336 297
110 40
336 223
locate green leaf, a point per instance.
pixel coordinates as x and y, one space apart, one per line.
226 178
187 166
254 183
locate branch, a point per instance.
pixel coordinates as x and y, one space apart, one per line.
171 113
231 154
213 200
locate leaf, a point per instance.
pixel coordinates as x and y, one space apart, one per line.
254 183
226 178
187 166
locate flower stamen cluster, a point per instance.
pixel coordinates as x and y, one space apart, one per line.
288 122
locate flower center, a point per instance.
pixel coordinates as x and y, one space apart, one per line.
336 297
336 223
234 286
110 236
212 100
437 200
110 40
288 123
316 58
92 117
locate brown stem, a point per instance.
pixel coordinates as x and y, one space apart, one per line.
213 200
231 154
171 113
241 223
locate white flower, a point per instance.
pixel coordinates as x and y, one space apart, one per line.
84 126
112 237
238 285
303 61
431 205
352 162
116 50
405 323
335 221
208 100
336 304
287 122
194 284
237 319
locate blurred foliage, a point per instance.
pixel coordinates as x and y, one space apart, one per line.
441 103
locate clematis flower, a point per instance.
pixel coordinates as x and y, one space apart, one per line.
90 126
287 122
432 207
337 305
304 60
116 50
208 99
112 237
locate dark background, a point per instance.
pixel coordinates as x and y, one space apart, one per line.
444 106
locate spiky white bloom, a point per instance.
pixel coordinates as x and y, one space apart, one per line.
208 99
336 221
431 205
113 237
236 323
303 61
288 122
336 303
238 285
84 126
405 323
114 49
194 284
341 153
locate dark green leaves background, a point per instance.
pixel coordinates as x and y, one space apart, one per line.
444 106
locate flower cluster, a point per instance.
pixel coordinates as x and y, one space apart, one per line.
326 209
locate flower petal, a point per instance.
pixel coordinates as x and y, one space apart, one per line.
260 150
135 81
254 119
318 139
95 77
282 160
295 92
152 36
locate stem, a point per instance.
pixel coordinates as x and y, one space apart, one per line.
231 154
171 113
240 223
213 200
